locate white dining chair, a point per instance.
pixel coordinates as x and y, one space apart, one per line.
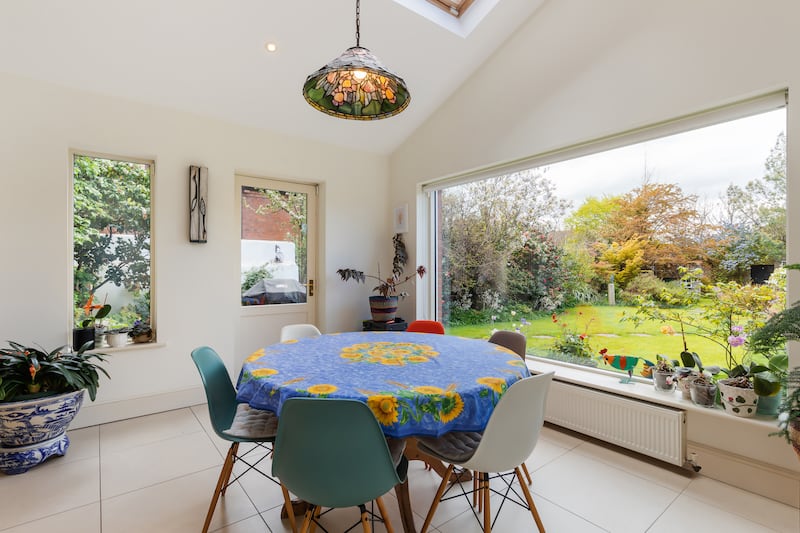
494 450
299 331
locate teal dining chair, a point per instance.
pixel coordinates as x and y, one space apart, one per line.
332 453
507 441
236 423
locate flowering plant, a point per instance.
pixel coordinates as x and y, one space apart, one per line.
386 286
89 317
571 342
33 370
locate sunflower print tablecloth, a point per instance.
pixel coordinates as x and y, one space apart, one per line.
415 383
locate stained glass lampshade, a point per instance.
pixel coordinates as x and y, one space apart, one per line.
356 86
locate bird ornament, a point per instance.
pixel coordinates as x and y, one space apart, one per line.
620 362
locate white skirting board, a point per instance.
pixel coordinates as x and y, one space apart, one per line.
92 414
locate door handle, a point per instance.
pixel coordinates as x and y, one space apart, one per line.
310 286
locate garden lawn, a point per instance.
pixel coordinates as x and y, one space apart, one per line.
605 329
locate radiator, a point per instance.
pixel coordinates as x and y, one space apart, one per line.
653 430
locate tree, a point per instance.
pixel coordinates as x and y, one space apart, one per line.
111 235
483 223
754 223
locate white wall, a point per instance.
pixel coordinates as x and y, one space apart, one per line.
580 70
196 290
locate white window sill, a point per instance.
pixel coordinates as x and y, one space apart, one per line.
130 347
639 388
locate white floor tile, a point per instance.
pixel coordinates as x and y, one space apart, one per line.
254 524
637 465
80 520
177 505
604 495
689 514
738 502
135 468
148 429
50 488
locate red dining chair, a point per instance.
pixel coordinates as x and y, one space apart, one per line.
426 326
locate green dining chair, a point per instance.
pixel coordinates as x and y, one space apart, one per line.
236 423
332 453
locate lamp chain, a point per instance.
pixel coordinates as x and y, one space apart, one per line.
358 23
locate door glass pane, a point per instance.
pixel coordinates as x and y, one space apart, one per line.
274 246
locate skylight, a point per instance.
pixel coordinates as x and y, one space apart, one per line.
457 16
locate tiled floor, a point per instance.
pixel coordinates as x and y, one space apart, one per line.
156 474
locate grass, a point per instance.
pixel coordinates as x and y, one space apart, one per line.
605 329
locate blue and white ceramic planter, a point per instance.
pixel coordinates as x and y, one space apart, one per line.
33 430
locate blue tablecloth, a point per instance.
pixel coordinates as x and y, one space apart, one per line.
415 383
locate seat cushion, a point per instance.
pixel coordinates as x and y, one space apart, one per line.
396 449
453 447
256 424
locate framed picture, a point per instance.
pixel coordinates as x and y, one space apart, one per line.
198 204
401 219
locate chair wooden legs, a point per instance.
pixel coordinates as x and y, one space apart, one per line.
529 499
287 502
308 519
365 519
384 515
435 503
527 474
487 513
224 476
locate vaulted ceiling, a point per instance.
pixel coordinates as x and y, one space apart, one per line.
208 57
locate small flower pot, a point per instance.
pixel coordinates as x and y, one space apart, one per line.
683 385
115 340
81 336
769 405
737 401
702 394
664 381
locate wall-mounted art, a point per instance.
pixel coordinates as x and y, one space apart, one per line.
401 219
198 204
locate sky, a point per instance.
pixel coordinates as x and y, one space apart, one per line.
702 162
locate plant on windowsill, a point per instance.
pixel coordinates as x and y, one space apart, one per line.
83 337
384 307
663 375
141 332
40 393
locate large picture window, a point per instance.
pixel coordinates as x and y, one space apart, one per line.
648 247
111 242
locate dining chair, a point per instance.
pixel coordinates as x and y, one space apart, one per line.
516 342
332 453
507 441
236 423
299 331
426 326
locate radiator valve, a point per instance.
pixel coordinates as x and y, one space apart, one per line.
692 460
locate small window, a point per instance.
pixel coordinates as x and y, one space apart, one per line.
111 241
454 7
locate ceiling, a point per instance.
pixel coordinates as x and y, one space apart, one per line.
208 56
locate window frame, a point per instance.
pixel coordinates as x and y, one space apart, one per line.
427 208
151 164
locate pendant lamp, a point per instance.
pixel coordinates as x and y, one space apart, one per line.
356 85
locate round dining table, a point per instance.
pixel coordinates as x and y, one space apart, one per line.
416 384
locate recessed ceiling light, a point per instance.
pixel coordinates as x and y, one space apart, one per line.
271 47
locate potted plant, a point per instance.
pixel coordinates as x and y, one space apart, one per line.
117 337
40 393
703 390
384 307
85 334
140 332
737 395
663 375
789 417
